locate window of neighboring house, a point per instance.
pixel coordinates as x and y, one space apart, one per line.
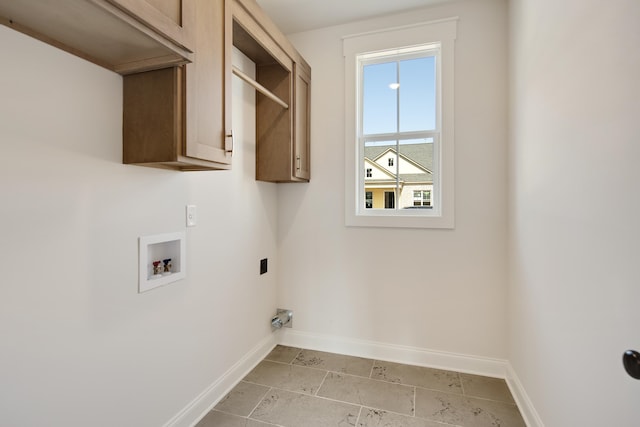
400 85
422 198
369 172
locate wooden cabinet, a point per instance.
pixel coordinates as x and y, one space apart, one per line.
124 36
180 118
175 56
283 80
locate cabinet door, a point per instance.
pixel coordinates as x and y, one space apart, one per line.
302 128
173 19
208 85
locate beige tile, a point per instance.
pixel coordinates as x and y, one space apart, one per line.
242 399
378 418
335 362
297 410
368 392
287 377
465 411
486 388
283 354
434 379
220 419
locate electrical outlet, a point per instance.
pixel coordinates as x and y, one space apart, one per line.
263 266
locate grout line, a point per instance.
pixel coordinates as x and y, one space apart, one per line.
376 380
359 415
296 356
275 361
246 418
321 383
466 396
461 385
373 365
401 414
295 366
260 401
344 402
415 396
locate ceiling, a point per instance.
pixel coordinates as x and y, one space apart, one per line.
293 16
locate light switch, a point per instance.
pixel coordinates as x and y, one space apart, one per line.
192 215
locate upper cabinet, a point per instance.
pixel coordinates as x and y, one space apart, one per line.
175 56
180 118
125 36
283 82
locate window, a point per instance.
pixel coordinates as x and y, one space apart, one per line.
369 200
422 198
398 116
399 89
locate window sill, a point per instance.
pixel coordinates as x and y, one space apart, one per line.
384 220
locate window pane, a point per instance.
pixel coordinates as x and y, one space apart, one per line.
415 166
368 200
417 94
380 178
380 105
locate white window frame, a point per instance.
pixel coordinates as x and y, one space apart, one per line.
441 32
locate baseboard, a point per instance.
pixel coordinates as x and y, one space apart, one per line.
202 404
396 353
527 410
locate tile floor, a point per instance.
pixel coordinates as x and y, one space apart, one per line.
293 387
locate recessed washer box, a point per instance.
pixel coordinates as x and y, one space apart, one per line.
167 252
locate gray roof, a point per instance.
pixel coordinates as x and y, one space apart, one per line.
421 154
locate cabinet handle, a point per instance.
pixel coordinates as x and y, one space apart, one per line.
298 162
230 135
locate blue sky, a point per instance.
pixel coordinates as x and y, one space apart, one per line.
417 95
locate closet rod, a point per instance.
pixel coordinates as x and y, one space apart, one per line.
263 90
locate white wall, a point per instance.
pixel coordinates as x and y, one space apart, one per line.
78 345
431 289
574 208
